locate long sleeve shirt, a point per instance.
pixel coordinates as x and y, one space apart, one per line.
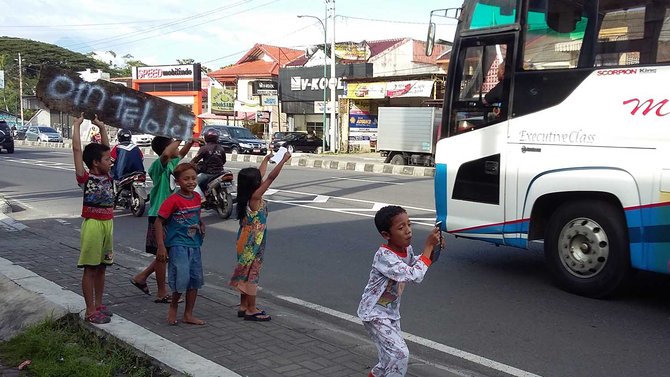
390 272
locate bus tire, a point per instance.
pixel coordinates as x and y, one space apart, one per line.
586 248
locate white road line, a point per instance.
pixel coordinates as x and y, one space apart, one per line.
419 340
368 180
272 191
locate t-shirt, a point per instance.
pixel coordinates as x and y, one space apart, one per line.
182 215
98 196
127 159
390 272
160 175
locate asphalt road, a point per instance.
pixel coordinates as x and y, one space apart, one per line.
495 302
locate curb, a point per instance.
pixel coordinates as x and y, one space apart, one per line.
300 161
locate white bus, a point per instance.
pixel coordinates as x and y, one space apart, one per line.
571 144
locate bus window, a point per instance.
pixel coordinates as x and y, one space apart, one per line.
553 36
620 25
492 13
482 98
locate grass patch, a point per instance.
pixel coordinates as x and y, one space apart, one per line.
65 347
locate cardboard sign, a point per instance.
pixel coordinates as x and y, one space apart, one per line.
114 104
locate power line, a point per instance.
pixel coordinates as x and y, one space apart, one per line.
194 25
82 25
161 26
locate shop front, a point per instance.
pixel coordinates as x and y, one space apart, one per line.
302 94
180 84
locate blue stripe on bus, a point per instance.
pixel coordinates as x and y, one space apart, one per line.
440 183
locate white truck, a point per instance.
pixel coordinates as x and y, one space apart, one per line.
407 135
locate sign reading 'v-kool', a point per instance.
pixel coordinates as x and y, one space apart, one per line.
114 104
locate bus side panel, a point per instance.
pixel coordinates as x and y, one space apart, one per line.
475 204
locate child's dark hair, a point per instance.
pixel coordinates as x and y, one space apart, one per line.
159 143
384 217
248 181
184 166
93 152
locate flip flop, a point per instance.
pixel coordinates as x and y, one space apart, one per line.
142 287
256 317
167 299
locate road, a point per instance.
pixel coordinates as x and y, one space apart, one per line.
495 302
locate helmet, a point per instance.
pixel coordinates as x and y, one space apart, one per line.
211 135
124 135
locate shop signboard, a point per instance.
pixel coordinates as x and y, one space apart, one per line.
306 84
223 100
166 72
265 88
262 117
269 100
359 107
352 51
114 104
362 122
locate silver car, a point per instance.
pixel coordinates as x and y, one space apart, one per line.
43 133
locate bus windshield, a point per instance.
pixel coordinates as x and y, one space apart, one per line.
488 14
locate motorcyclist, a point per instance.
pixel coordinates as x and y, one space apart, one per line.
126 156
210 159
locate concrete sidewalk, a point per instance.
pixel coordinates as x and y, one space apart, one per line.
365 162
40 257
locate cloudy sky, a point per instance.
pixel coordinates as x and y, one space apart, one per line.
213 32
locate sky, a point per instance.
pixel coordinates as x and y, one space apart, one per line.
215 33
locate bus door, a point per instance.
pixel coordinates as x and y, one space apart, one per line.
477 137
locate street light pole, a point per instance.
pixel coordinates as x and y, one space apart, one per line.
325 80
334 145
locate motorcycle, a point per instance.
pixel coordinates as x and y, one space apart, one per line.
218 195
131 193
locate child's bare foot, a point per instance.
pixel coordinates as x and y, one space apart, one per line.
172 315
192 320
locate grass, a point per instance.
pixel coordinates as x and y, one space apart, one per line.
65 347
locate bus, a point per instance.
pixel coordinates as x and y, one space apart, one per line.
554 132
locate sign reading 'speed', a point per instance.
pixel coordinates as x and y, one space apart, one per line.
114 104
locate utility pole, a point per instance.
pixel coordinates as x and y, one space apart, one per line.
334 129
21 88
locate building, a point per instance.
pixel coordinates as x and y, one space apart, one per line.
238 92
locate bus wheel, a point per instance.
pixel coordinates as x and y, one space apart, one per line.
586 248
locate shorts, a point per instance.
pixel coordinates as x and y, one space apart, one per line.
184 268
151 247
97 242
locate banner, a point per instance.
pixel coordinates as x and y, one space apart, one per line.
412 88
393 89
352 51
269 100
223 100
114 104
366 90
359 107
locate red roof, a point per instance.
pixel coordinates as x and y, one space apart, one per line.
253 65
377 47
281 55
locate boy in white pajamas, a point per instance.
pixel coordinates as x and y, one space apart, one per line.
393 265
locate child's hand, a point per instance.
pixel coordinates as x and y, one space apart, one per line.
433 238
202 230
161 254
269 155
97 121
79 120
197 140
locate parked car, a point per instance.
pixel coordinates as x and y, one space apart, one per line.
299 143
20 133
238 140
6 139
43 133
141 139
281 135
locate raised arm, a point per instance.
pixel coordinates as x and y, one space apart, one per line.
187 147
76 145
264 164
265 185
170 151
104 139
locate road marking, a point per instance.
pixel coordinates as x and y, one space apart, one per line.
419 340
368 180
